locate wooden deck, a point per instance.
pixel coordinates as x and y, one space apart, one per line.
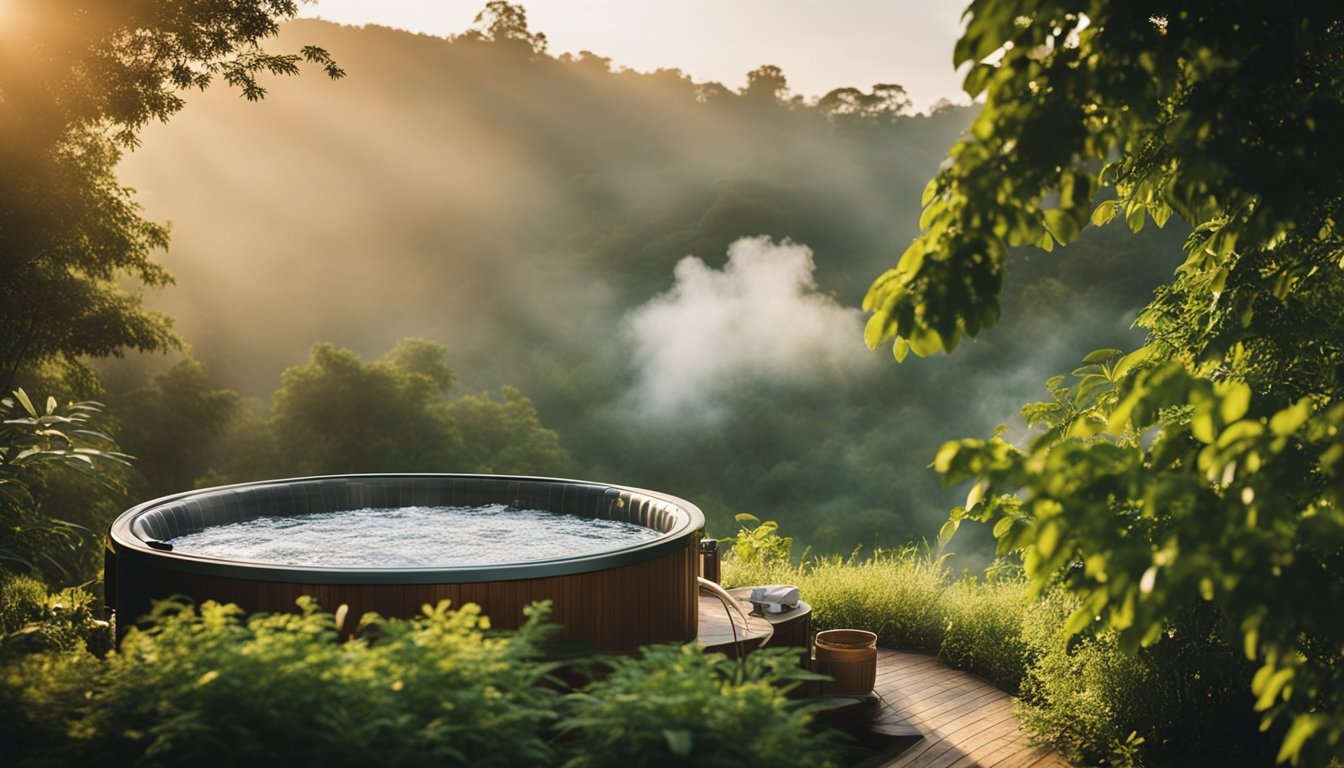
925 714
962 721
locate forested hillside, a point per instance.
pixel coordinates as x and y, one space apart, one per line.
668 270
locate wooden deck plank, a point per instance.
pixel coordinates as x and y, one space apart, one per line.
965 721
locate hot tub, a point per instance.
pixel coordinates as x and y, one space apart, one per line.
613 601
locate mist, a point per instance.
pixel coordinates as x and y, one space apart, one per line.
669 271
760 319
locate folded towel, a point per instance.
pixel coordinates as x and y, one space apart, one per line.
785 595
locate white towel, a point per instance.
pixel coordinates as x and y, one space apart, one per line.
785 595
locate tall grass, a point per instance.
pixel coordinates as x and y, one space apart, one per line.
897 595
909 598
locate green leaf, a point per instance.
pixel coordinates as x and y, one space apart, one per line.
976 494
1246 429
679 742
1201 426
942 462
925 342
1100 355
1286 421
1105 212
1236 400
1272 687
25 402
1062 225
1303 728
930 191
1136 216
900 349
946 532
876 329
1137 357
1086 613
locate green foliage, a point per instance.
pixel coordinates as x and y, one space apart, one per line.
1184 701
35 445
1143 95
1177 493
984 630
759 544
680 706
1202 470
339 414
31 620
206 687
172 427
896 594
76 86
504 437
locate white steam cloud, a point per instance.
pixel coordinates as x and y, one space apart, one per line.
760 319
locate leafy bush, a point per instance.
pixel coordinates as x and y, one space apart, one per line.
681 706
38 444
1182 701
32 620
205 687
759 544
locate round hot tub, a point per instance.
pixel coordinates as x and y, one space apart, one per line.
614 600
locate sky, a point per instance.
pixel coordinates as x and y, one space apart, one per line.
819 45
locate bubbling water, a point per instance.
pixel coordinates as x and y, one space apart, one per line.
413 537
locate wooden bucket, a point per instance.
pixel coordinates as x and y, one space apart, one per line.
849 656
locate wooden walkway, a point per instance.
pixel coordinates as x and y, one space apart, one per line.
964 721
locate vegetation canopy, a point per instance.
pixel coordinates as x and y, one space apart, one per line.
1203 468
78 80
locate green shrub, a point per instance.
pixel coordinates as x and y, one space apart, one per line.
208 687
204 687
984 633
759 544
31 620
1182 701
681 706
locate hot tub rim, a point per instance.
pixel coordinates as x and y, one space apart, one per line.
130 549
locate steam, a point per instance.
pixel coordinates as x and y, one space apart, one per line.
759 320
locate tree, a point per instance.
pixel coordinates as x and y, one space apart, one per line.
505 24
766 85
338 414
891 99
886 100
172 427
77 83
505 437
1205 467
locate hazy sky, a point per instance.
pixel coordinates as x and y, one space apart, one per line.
819 45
